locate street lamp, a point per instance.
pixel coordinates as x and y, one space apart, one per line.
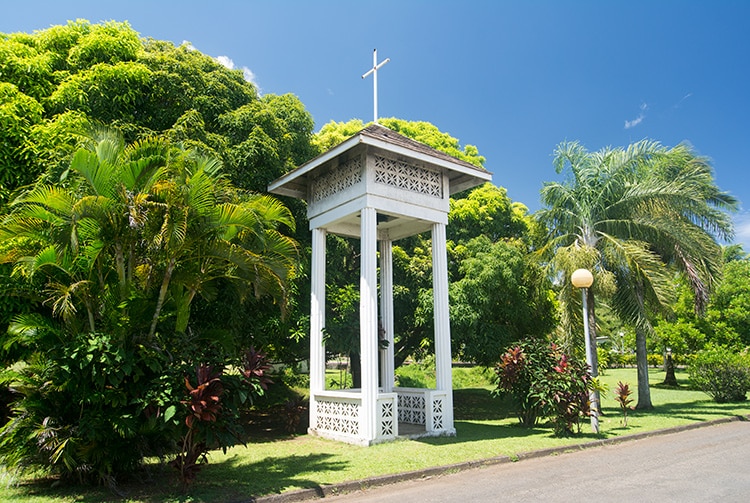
583 279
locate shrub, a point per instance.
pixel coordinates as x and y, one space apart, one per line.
90 409
293 378
655 360
603 357
545 382
721 373
417 375
516 375
564 393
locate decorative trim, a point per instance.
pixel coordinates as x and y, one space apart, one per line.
411 408
408 177
342 177
386 418
437 414
338 417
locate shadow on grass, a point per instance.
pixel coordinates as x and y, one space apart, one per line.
478 404
271 475
228 480
695 410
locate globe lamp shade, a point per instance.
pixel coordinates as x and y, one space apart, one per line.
582 278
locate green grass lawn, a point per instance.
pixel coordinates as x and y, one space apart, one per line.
484 430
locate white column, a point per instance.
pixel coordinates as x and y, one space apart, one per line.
317 319
442 319
386 313
368 322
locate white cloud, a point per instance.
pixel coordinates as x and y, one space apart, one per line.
679 103
634 122
225 61
247 73
639 119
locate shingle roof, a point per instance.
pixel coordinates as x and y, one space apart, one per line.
380 132
462 174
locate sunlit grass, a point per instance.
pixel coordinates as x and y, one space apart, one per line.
485 429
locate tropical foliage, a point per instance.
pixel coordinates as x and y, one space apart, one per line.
721 373
543 381
117 256
58 83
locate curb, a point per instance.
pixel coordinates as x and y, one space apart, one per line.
427 473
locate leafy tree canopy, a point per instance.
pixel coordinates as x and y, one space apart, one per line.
334 133
80 73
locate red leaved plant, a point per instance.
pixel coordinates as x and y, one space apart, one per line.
622 395
203 406
256 365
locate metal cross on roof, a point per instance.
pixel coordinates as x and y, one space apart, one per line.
374 71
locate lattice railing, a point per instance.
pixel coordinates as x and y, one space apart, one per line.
387 418
340 178
408 177
338 415
411 407
437 412
422 406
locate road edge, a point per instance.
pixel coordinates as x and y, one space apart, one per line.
426 473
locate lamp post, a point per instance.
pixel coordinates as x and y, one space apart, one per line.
583 279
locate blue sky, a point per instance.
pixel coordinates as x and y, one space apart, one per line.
514 78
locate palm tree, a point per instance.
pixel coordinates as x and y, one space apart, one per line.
84 236
147 217
629 215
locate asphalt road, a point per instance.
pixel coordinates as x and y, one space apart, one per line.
701 465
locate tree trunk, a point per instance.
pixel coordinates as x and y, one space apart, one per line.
355 366
162 296
670 379
641 357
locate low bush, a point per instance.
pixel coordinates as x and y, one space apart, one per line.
410 376
542 381
417 375
721 373
655 360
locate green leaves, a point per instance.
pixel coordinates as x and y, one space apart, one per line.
543 381
721 373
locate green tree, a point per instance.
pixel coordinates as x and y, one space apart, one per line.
728 314
333 133
18 113
57 83
628 213
107 73
500 296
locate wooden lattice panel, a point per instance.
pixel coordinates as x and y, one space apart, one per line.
408 177
337 180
